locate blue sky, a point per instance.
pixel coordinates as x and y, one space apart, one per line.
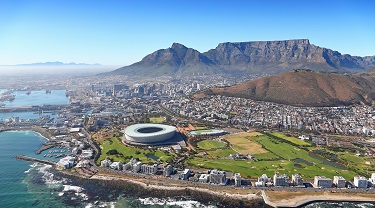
122 32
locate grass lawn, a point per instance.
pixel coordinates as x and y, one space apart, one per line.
254 133
291 139
254 169
280 157
365 164
221 153
284 150
211 144
156 120
266 156
242 143
114 143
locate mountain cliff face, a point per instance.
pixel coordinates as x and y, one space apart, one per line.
269 57
304 88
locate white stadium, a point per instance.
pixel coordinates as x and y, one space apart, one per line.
147 133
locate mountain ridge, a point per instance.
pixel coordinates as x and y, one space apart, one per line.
266 57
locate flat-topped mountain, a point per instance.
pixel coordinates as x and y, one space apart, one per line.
303 88
266 57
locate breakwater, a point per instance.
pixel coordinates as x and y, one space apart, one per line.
31 159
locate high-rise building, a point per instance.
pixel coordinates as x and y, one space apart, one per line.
339 181
372 179
168 171
297 180
218 177
237 179
322 182
280 180
360 182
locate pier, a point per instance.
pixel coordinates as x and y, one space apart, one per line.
31 159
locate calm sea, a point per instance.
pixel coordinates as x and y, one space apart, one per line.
39 97
56 97
25 184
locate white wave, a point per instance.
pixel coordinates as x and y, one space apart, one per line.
34 165
61 194
365 205
73 188
48 176
101 204
40 135
83 196
173 202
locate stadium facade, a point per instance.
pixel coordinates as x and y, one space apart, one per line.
148 134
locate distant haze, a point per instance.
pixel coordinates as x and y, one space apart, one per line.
68 70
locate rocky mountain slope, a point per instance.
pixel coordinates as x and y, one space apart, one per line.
304 88
266 57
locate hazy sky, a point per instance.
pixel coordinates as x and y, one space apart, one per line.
123 32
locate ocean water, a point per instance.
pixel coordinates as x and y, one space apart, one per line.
56 97
27 184
39 97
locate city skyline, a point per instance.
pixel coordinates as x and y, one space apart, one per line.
121 32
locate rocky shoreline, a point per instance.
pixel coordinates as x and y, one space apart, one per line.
130 188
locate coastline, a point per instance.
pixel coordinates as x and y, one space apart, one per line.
38 130
297 201
247 197
136 188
